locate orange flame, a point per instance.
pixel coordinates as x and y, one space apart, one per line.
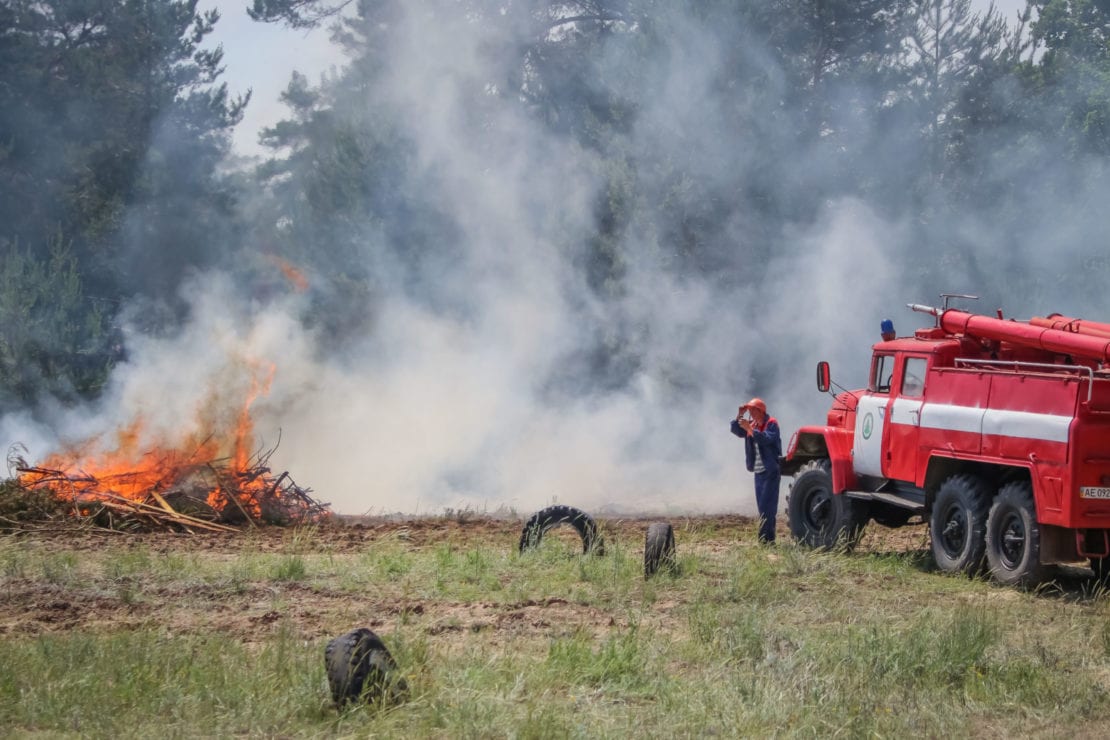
134 468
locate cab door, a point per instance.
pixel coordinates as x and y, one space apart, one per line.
867 445
904 420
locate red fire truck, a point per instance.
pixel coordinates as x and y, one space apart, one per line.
994 431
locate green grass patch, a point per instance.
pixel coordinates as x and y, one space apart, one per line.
741 641
144 684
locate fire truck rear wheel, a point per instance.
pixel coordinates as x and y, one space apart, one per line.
553 516
958 524
360 668
1014 537
659 549
820 518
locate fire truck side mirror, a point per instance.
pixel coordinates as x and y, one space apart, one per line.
823 381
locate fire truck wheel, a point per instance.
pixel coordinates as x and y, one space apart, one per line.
659 549
958 524
1014 537
553 516
360 668
818 517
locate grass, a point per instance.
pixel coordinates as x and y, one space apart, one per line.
742 641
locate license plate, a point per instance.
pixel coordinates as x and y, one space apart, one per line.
1094 492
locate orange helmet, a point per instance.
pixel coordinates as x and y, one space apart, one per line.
756 403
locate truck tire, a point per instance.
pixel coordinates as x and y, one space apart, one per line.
958 524
553 516
820 518
659 549
360 668
1014 537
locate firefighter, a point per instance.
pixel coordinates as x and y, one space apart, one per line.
762 449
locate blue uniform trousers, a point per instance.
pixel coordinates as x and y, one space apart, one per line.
767 501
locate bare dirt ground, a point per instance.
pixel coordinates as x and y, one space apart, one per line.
95 598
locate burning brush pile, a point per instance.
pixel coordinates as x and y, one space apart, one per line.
209 483
167 490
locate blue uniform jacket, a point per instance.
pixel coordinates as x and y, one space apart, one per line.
769 441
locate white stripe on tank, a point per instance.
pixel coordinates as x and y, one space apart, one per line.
998 422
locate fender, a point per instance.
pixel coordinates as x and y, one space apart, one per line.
1045 479
817 442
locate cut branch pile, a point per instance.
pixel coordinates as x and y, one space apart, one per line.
211 496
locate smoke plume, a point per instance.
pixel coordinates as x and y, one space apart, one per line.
478 386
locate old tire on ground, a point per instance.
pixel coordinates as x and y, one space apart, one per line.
820 518
659 549
360 668
958 524
553 516
1014 537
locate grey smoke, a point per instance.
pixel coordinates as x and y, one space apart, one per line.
437 409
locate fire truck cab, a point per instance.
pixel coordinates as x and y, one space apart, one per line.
995 432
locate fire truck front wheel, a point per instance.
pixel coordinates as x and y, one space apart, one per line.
820 518
1014 537
958 524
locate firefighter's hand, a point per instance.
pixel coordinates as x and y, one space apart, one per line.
746 425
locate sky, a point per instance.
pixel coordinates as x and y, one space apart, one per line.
262 57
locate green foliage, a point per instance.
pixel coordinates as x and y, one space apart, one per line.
112 128
297 13
52 338
19 504
1072 78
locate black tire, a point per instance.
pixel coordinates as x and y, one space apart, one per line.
1014 537
360 668
820 518
659 549
958 524
553 516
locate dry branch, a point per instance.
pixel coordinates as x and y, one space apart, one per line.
215 496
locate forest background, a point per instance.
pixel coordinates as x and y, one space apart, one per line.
520 251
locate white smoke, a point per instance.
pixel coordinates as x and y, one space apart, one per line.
433 411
